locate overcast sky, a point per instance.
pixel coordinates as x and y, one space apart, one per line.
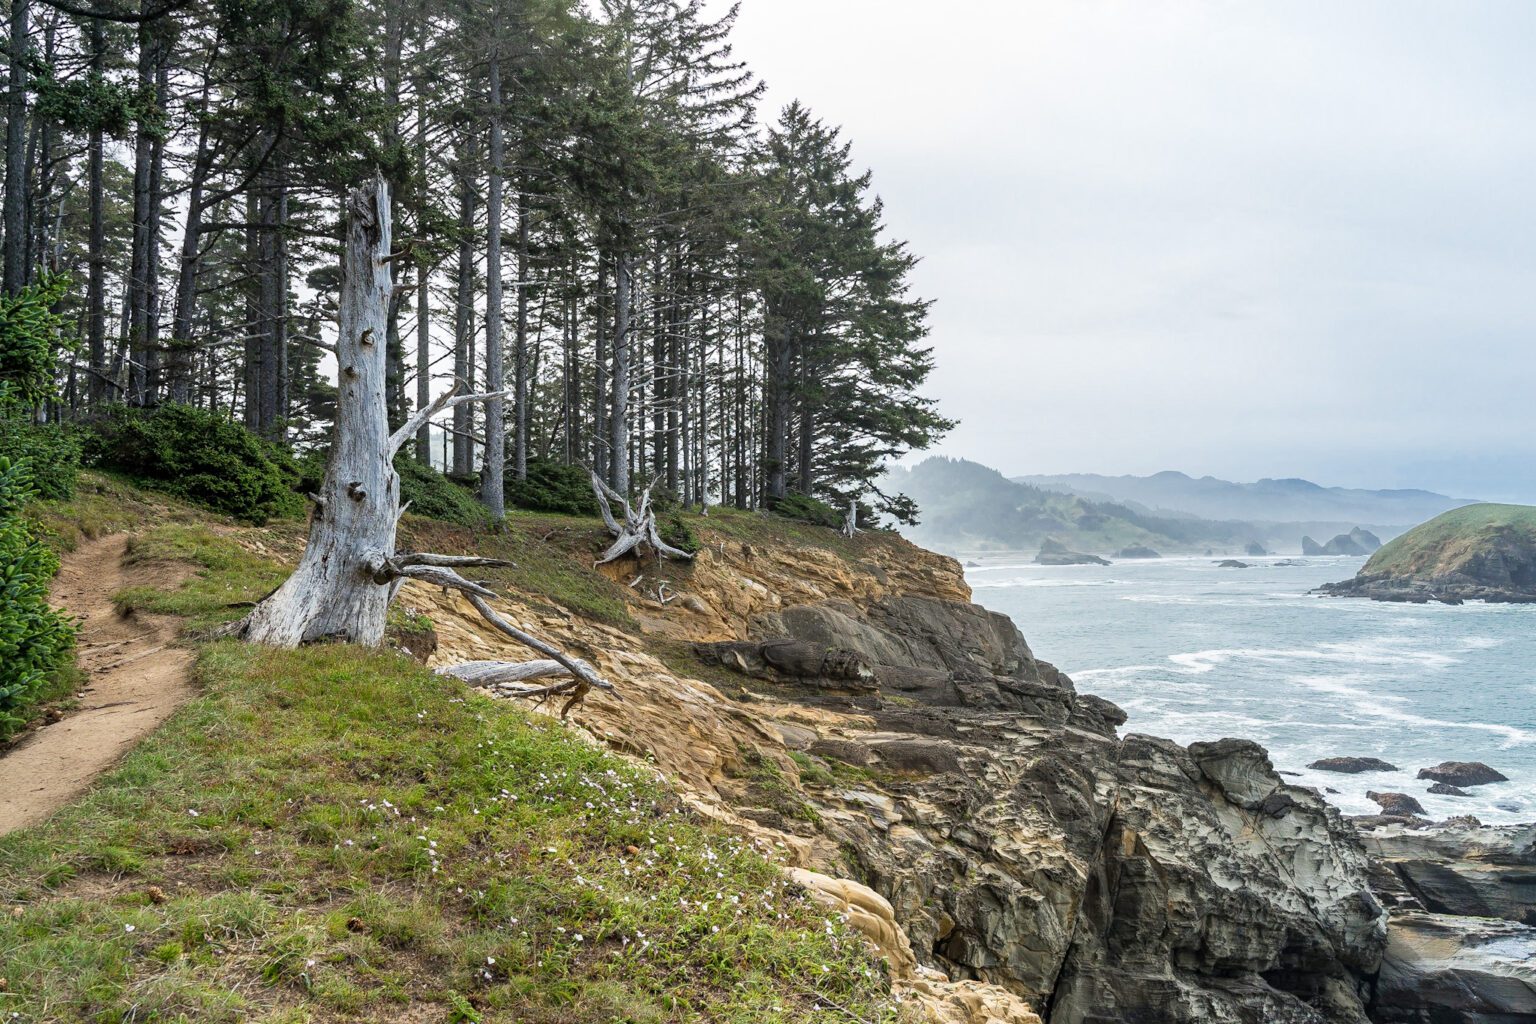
1245 239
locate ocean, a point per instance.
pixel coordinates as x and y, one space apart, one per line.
1192 652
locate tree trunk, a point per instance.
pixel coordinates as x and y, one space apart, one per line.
464 320
15 212
493 473
182 355
618 415
520 349
96 286
350 571
332 594
600 454
780 367
423 275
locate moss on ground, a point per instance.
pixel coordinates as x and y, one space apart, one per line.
333 834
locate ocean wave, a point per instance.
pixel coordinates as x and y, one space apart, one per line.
1036 581
1359 653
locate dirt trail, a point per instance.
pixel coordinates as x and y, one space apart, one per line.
137 678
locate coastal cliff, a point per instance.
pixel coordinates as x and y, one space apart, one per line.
843 703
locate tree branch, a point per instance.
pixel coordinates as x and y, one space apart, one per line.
446 400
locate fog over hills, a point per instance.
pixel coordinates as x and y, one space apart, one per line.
969 507
1267 500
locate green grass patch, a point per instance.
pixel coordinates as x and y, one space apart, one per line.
553 556
229 578
334 834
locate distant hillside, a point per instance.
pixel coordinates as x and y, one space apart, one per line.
970 507
1264 501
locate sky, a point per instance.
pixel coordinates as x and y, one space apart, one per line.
1241 239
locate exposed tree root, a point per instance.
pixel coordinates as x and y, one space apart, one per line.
639 526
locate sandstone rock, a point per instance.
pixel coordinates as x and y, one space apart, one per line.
1462 773
1396 803
1352 765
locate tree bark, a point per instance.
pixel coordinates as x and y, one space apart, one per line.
493 473
332 594
618 415
15 212
96 283
423 275
520 347
464 319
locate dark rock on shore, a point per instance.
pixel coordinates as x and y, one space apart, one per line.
1462 773
1482 552
1054 552
1446 789
1397 804
1462 899
1021 842
1352 765
1232 563
1137 551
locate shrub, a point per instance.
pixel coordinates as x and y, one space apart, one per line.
32 334
553 487
674 529
433 495
35 641
808 510
51 451
201 457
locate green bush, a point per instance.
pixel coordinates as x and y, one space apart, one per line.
553 487
32 334
51 451
201 457
808 510
35 641
433 495
674 529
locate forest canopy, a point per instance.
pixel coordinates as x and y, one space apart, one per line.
591 211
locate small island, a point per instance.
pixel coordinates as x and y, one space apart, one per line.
1482 552
1054 552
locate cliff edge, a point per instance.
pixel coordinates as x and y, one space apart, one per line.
845 703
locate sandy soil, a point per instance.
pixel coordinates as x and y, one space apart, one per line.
137 678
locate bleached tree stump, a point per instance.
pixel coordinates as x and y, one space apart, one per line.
638 528
350 570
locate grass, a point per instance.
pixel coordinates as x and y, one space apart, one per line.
103 503
333 834
1439 545
553 556
229 577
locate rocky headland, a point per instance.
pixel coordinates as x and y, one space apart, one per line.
1016 858
1482 552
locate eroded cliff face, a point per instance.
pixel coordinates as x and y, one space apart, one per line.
865 721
